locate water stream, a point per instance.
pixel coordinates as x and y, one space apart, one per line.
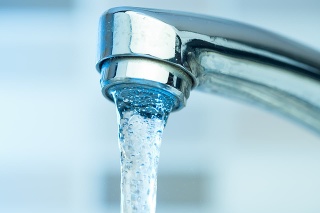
142 115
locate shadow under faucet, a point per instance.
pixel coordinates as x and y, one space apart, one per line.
177 52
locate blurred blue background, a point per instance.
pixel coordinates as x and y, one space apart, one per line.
58 135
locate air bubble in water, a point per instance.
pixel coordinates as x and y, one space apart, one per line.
142 116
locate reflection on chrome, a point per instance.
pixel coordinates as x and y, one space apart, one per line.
177 52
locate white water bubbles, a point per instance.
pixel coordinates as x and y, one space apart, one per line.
142 116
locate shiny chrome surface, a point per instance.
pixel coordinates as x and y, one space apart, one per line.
152 47
146 72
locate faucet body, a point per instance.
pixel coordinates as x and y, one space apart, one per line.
177 52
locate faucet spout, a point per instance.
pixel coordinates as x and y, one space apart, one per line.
177 52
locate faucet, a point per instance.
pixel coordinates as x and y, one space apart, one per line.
176 52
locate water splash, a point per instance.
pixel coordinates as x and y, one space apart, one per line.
142 116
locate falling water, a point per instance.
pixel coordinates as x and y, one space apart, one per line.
142 116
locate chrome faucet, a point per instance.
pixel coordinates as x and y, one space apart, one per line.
177 52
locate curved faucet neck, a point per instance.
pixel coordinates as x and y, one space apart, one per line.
182 51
